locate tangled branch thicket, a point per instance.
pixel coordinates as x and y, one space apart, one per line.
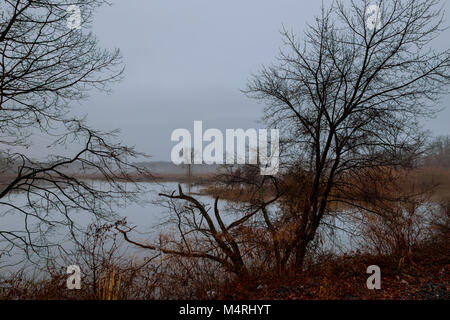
46 67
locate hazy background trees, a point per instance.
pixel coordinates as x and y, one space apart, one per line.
438 153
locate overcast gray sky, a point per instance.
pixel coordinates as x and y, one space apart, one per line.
187 60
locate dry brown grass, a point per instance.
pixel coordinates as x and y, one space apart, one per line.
173 277
431 180
436 178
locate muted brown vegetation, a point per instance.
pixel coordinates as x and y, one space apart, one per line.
348 99
412 253
108 275
423 179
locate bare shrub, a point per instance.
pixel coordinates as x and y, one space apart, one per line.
398 229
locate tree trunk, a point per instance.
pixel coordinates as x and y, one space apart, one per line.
300 256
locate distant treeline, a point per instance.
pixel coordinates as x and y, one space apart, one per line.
438 153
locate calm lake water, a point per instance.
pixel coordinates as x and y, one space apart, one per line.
148 217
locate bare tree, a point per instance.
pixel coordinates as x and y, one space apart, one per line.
46 66
349 97
348 100
204 235
438 153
